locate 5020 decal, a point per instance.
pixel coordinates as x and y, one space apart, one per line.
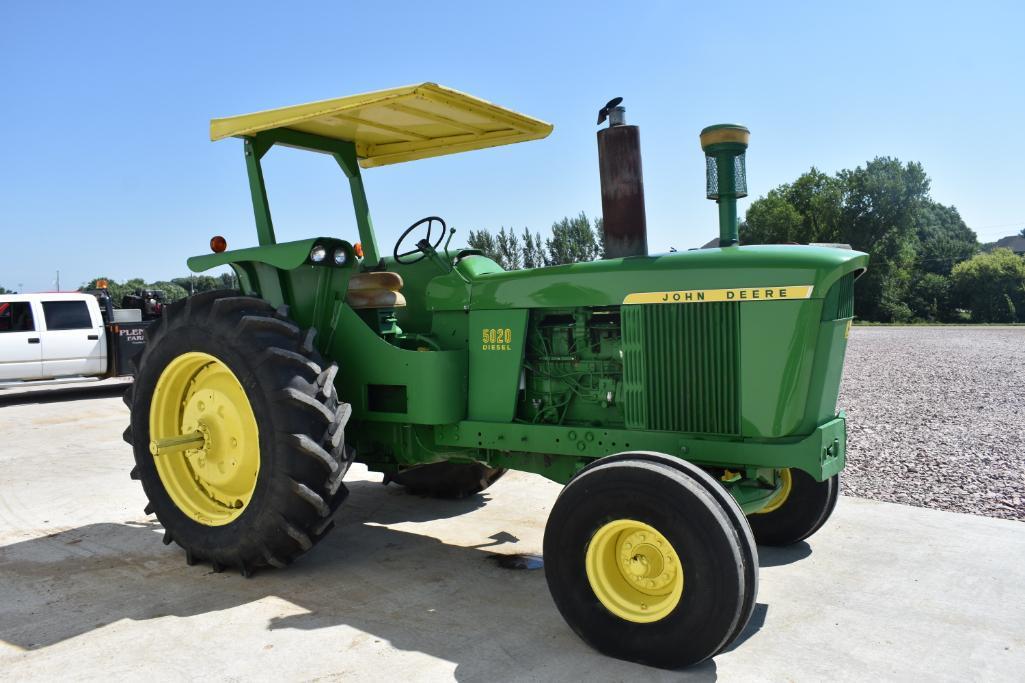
496 339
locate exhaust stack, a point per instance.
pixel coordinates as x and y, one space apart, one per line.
725 148
622 184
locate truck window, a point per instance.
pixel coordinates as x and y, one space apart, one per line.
67 315
16 316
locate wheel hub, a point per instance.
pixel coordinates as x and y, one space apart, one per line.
212 483
634 571
786 483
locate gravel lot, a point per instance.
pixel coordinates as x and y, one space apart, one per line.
936 417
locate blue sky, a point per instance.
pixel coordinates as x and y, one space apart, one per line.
107 167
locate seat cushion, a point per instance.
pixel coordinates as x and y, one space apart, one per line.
375 298
360 282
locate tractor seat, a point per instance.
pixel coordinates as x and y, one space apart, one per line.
375 290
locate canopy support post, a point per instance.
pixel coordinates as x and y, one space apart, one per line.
254 150
346 158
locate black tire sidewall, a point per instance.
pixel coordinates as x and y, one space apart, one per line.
805 510
729 505
241 536
702 536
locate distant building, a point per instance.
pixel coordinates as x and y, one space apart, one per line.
1015 243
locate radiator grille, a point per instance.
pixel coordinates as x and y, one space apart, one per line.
839 303
682 367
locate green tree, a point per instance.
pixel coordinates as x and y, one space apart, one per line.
819 199
943 238
808 210
510 257
771 220
991 286
883 209
4 290
599 234
572 241
172 291
193 284
485 242
118 290
929 298
227 280
882 202
533 250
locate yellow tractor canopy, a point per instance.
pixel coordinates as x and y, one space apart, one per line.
401 124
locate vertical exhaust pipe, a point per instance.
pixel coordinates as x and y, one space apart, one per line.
725 148
622 184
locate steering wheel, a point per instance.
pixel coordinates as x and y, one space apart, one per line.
421 245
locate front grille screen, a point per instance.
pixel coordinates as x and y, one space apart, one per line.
682 367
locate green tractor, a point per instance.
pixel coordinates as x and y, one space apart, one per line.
687 401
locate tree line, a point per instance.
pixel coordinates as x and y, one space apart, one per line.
174 289
572 240
926 263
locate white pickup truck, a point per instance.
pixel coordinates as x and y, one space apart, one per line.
46 337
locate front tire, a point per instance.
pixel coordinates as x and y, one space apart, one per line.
263 481
645 564
802 507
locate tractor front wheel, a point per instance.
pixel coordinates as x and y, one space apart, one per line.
645 564
447 479
798 510
238 432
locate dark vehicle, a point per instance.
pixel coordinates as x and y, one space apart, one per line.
149 301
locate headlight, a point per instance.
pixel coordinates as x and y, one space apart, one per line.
318 253
341 256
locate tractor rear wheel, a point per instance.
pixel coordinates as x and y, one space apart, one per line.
238 432
797 511
645 564
447 479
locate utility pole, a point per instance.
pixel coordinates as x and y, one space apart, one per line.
58 281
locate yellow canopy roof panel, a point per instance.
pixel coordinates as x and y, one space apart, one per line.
401 124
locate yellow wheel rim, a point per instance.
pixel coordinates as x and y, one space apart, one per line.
786 482
212 479
634 571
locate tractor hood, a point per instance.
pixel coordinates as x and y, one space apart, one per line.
760 272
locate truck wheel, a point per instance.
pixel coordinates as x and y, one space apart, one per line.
800 508
447 479
238 432
645 565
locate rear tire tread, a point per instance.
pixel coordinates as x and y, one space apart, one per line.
302 413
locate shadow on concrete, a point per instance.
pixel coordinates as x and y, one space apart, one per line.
773 556
753 626
390 504
60 392
408 589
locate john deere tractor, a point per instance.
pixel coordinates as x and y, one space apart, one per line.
686 400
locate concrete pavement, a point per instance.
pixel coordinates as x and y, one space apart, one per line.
408 588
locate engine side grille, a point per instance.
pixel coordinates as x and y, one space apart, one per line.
839 303
682 367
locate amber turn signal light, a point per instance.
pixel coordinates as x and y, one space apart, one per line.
218 244
358 248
